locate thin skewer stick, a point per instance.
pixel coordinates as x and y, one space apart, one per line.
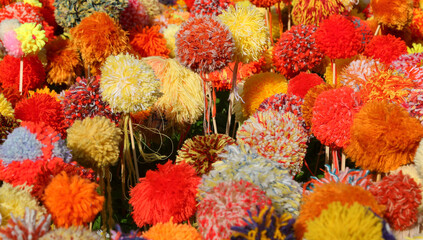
232 97
21 76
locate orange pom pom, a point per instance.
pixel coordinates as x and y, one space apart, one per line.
310 98
383 137
316 202
72 201
393 13
148 41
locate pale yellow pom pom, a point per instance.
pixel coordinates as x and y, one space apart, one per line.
169 35
6 108
34 3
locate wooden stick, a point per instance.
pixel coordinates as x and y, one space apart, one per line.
378 177
333 72
280 19
377 30
131 132
211 103
327 154
232 97
343 162
21 76
289 16
270 25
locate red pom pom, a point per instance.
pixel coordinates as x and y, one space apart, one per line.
338 38
300 84
210 7
12 95
24 12
42 108
364 31
189 4
168 192
33 72
402 196
386 48
333 115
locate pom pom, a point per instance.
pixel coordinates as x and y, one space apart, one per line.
152 7
20 145
338 38
27 227
166 194
315 203
266 133
357 221
210 7
70 233
241 163
8 25
171 231
266 223
83 99
333 115
297 51
42 108
402 196
95 142
242 21
259 87
310 12
202 151
183 95
169 34
135 14
33 73
64 63
97 37
12 94
204 44
414 104
12 44
24 12
300 84
355 74
72 200
7 124
393 13
225 205
383 137
6 108
411 171
148 41
310 99
385 48
32 37
283 103
407 61
14 200
140 89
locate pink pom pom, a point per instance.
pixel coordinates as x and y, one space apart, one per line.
12 44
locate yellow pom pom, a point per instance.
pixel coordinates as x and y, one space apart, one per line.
34 3
249 32
358 222
6 108
94 141
45 90
169 35
416 48
259 87
128 84
32 37
14 200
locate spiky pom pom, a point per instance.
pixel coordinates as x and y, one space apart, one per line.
83 99
7 124
33 73
297 51
64 63
165 194
357 221
402 196
42 108
416 25
225 205
14 200
137 93
266 223
259 87
300 84
414 104
202 151
266 132
135 14
310 12
385 48
72 200
241 163
383 137
210 7
97 37
242 21
204 44
337 37
94 142
183 96
354 75
310 99
172 231
148 41
333 115
393 13
26 227
70 233
315 203
13 95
